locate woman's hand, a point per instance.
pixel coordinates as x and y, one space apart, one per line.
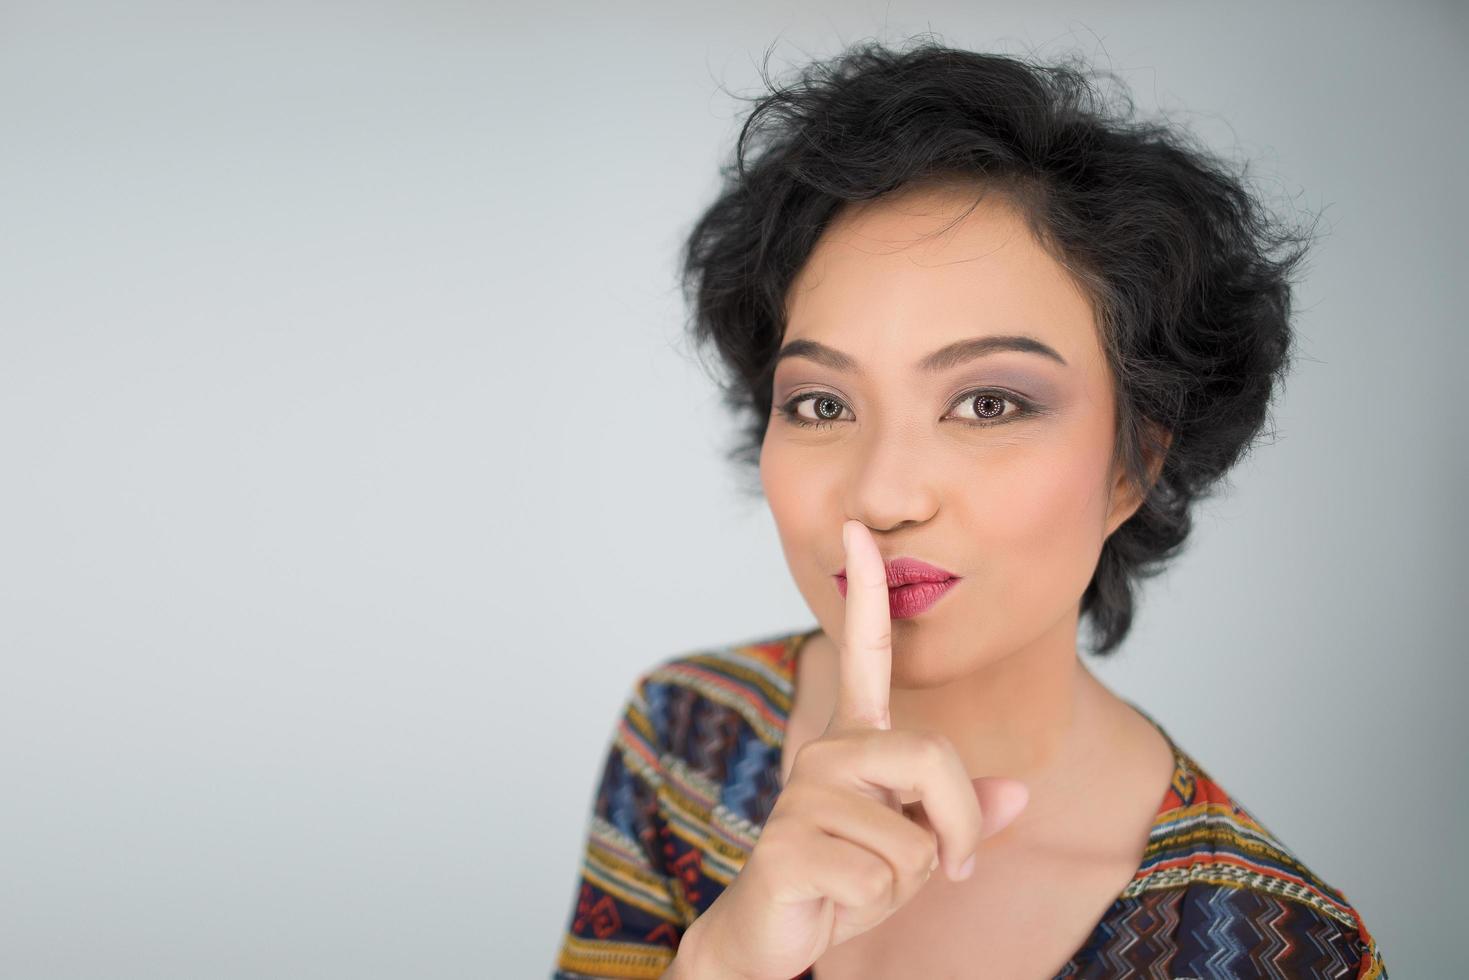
839 852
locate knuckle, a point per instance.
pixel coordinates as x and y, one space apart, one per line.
876 739
868 746
801 761
933 748
814 756
876 882
846 747
919 850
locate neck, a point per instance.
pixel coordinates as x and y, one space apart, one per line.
1036 714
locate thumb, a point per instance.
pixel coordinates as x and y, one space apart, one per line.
1000 802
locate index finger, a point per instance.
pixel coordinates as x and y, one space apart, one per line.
865 660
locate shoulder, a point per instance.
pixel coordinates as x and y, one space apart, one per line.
714 720
744 683
1233 889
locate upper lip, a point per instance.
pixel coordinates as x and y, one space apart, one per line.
906 571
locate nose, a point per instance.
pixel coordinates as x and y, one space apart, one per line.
890 485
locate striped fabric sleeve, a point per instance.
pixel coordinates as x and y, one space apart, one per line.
624 920
1371 966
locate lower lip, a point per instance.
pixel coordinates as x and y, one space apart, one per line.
907 601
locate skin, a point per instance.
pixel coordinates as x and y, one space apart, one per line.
839 854
1020 511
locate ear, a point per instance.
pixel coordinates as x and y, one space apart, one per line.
1125 498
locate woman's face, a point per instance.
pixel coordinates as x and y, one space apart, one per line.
1018 507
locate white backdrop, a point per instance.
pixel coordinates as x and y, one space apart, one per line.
354 463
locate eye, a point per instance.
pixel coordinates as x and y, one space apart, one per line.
988 405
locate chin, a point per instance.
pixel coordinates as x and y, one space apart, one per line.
929 657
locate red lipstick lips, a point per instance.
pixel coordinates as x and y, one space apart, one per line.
913 585
906 571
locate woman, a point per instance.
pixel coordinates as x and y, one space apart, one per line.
993 339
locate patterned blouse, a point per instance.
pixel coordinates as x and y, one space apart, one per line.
693 770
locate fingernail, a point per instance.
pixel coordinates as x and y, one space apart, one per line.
966 869
934 865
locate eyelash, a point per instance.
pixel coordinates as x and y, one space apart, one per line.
1026 408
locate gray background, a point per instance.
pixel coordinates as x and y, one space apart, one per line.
355 466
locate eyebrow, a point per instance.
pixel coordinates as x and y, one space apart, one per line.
940 360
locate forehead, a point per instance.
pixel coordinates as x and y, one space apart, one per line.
901 273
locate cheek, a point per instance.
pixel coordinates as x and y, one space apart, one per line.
796 493
1031 550
1046 498
775 479
1037 532
791 491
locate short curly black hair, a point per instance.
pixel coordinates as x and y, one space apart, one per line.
1188 274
